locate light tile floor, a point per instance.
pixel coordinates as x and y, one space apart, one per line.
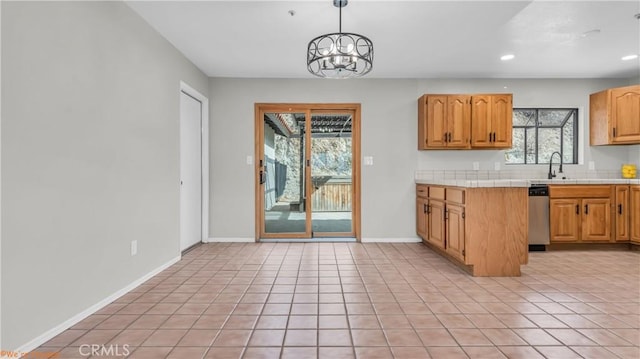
351 300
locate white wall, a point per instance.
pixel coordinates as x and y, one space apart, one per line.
389 134
90 123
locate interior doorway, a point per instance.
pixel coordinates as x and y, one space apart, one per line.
307 171
194 167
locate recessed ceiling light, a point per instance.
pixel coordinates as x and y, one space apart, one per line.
507 57
629 57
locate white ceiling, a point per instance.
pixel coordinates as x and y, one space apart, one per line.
412 39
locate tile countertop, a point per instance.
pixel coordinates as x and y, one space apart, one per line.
520 182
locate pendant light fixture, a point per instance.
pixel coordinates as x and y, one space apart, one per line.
340 54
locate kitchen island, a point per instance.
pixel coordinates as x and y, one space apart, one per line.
481 225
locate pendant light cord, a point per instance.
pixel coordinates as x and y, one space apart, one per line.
340 22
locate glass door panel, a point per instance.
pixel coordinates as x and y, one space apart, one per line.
282 176
331 200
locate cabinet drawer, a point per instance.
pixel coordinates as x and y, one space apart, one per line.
455 195
436 193
422 190
571 191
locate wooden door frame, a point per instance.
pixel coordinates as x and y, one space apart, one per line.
260 109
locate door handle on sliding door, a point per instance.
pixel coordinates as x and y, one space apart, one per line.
263 177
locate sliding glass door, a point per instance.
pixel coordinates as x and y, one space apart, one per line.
307 168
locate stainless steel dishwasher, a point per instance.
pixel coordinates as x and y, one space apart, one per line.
538 217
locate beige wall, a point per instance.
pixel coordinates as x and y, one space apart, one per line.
389 134
90 123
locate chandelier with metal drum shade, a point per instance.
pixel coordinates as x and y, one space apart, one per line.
340 54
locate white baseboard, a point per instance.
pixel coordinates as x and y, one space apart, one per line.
391 240
48 335
232 239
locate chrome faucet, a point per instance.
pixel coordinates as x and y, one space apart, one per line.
553 174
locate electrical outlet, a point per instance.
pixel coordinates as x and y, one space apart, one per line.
368 160
496 166
476 166
592 165
134 247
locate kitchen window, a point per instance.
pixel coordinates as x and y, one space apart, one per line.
538 132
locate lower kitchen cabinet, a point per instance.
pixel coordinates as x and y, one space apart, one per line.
565 223
621 211
454 224
483 229
436 231
580 213
634 213
422 217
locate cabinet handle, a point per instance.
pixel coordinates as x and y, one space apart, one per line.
424 208
449 140
428 209
445 137
614 132
494 137
577 209
619 209
586 209
489 136
446 214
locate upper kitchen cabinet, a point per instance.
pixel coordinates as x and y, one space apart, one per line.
614 116
491 121
465 121
444 121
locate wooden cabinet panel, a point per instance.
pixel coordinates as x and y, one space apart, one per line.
614 116
579 191
436 119
564 220
634 212
454 195
621 213
459 117
422 191
502 124
625 114
422 217
481 135
455 231
491 121
596 219
435 227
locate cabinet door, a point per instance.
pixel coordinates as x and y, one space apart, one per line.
564 220
422 217
435 227
454 219
596 219
621 210
501 120
625 114
436 121
458 121
481 135
634 219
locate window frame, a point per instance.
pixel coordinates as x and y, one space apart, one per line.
571 111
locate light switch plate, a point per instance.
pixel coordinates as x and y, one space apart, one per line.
368 160
249 160
134 247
